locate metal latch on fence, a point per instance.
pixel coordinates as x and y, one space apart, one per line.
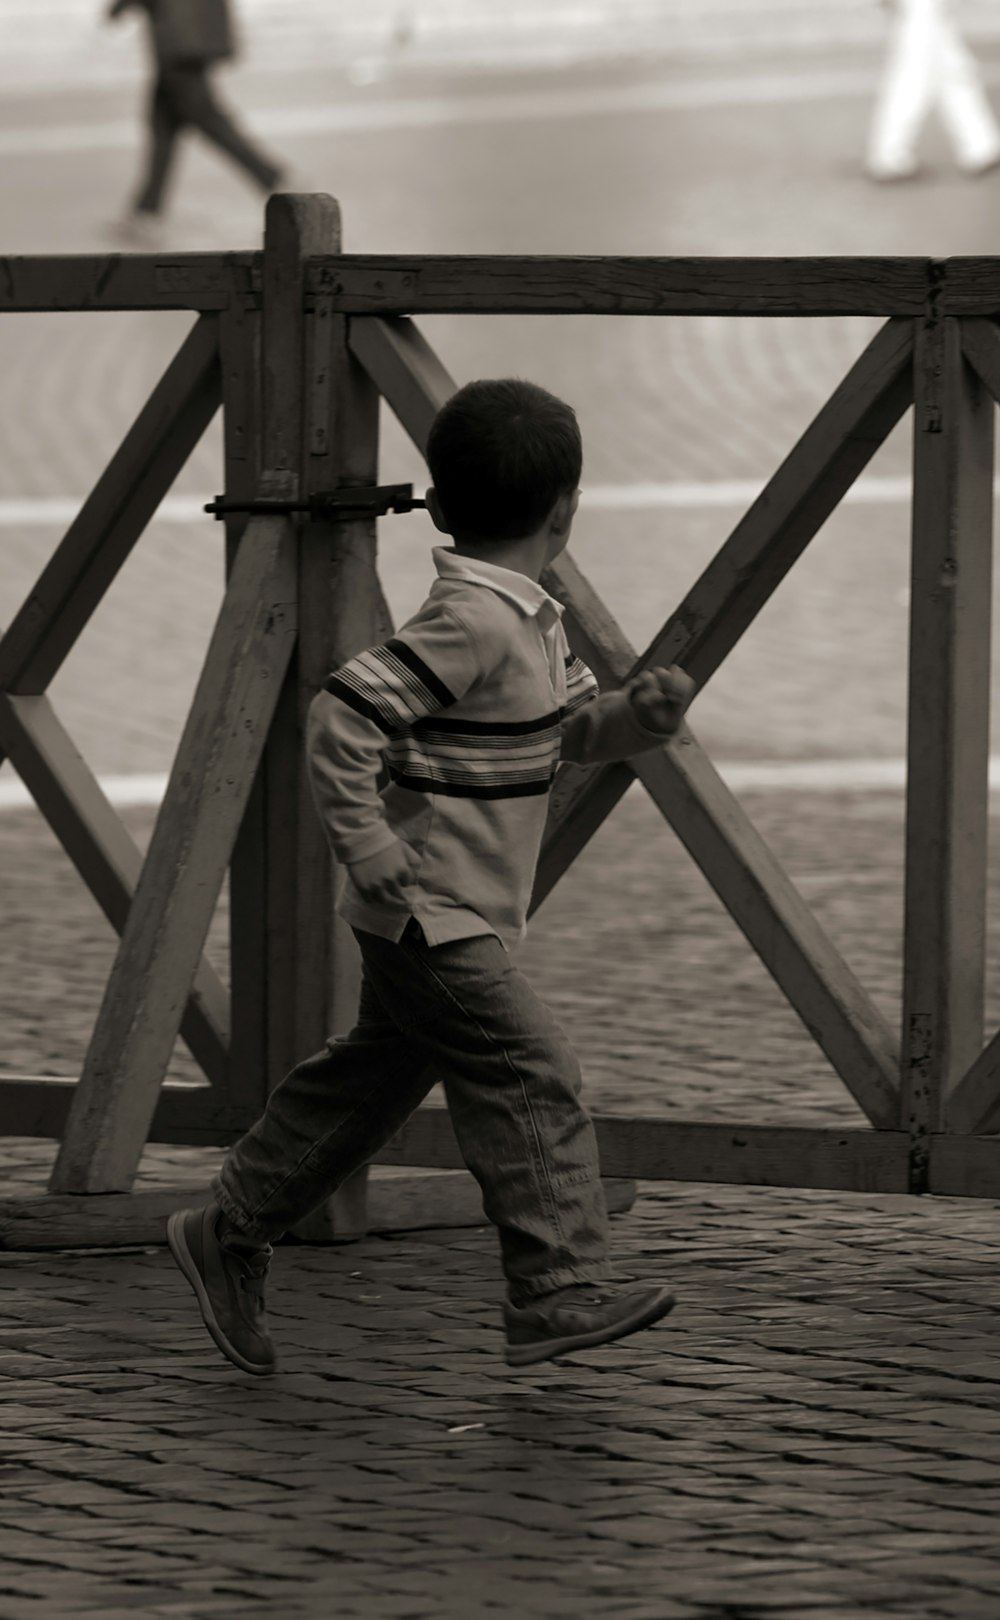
328 503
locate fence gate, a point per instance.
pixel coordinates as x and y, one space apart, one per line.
299 343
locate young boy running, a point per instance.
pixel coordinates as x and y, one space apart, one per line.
470 707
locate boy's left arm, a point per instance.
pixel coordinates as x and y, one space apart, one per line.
643 714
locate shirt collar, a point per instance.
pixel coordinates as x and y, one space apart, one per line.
525 594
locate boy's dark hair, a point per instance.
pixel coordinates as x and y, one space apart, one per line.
500 455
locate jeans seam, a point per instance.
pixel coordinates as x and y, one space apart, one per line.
541 1158
316 1147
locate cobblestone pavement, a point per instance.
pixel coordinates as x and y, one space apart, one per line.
813 1433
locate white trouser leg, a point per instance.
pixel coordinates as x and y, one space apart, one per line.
961 98
906 91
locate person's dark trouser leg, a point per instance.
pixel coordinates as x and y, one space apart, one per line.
513 1086
201 108
164 128
325 1119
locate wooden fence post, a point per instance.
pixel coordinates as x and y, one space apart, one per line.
948 742
295 967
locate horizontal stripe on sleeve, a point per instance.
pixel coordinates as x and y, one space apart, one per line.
391 685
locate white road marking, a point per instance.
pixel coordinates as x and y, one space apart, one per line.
675 495
763 776
59 510
423 112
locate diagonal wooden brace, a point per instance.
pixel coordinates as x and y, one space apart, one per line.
973 1108
104 853
781 927
184 868
981 347
748 879
744 574
404 368
114 515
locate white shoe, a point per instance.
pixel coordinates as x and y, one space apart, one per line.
983 166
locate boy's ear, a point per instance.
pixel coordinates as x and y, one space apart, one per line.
564 511
437 516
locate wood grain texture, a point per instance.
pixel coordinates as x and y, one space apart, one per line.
294 923
414 283
967 286
502 284
964 1166
191 845
105 281
240 355
404 368
195 1116
948 729
981 347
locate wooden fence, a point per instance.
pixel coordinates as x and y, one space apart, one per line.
298 343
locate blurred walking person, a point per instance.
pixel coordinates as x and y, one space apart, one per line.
928 64
189 39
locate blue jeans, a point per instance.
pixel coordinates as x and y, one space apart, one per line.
461 1013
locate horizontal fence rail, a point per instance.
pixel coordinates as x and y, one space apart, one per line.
515 284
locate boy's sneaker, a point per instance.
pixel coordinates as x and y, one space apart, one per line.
228 1285
578 1317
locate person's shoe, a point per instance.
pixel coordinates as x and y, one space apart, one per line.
888 174
578 1317
988 165
143 232
228 1285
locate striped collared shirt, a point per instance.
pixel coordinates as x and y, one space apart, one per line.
447 737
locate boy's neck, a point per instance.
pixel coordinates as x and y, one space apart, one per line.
530 557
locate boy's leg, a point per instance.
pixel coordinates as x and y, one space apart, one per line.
513 1087
322 1122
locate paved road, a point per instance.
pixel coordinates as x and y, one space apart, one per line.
813 1435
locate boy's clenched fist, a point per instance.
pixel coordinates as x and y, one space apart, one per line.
660 697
